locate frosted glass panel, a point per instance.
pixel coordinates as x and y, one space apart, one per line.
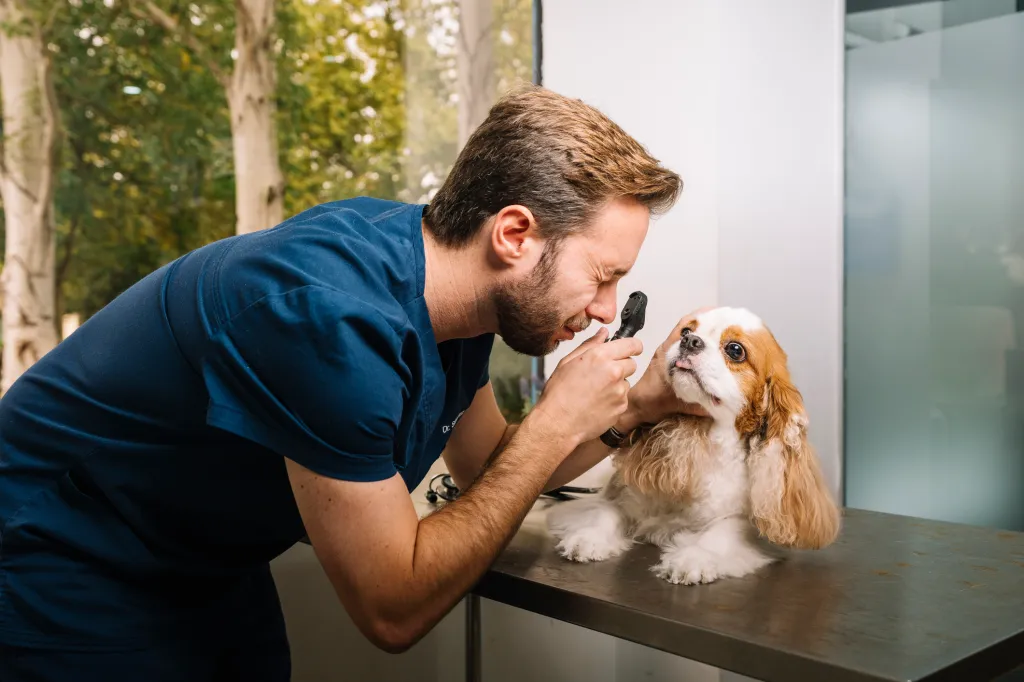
934 316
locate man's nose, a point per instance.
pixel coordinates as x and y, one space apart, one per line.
603 307
691 344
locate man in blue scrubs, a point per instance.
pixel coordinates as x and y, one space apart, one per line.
302 380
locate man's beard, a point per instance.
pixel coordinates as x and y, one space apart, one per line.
527 310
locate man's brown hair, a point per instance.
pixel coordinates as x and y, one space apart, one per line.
557 156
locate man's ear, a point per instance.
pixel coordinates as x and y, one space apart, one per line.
513 235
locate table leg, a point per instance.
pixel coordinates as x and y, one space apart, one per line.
474 672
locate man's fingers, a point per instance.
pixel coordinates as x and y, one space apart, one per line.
599 337
628 367
619 349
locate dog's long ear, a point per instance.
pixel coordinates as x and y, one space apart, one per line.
789 501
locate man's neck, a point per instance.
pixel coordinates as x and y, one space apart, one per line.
455 292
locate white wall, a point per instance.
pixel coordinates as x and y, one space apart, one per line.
743 98
780 190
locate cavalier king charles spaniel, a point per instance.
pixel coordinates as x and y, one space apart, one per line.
709 491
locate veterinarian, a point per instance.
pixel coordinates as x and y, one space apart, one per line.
302 380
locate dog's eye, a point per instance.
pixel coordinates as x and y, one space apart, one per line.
686 332
735 351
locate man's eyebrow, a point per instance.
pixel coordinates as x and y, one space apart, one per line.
619 272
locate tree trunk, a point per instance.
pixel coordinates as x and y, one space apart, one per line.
27 170
259 183
475 65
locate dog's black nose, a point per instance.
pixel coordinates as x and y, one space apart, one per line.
691 343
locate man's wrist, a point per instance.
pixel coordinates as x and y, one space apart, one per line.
536 426
632 418
627 422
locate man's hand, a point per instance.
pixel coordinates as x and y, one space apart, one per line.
650 400
588 392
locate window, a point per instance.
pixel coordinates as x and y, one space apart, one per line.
934 314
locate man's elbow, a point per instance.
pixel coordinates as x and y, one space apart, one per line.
391 628
393 637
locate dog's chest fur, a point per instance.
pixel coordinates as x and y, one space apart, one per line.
681 475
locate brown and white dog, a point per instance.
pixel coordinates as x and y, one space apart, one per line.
702 489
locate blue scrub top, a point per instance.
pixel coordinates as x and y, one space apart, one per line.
142 475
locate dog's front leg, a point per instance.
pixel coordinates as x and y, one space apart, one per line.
722 550
588 529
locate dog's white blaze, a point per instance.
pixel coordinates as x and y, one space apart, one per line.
716 321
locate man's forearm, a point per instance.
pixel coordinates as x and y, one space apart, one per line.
581 460
456 544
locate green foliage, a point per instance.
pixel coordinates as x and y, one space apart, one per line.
341 92
147 176
510 397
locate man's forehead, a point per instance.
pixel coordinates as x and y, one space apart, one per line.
614 258
617 233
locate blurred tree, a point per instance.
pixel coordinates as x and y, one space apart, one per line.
250 85
513 41
29 140
477 76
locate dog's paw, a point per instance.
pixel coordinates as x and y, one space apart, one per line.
688 565
587 530
591 544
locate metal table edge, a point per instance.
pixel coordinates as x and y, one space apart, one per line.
990 662
681 639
